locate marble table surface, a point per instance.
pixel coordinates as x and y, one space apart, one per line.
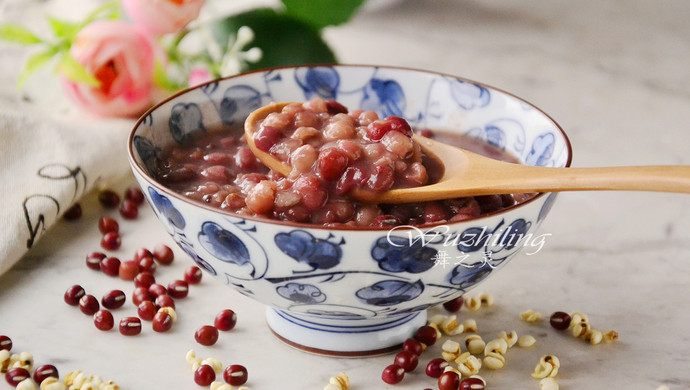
615 75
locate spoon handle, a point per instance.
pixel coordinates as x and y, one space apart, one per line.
636 178
493 177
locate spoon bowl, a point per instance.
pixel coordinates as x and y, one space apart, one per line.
467 173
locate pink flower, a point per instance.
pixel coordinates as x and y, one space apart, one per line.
121 57
162 16
199 76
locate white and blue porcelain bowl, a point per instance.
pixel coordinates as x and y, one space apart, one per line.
346 291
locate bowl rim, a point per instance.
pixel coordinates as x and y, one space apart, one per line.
168 192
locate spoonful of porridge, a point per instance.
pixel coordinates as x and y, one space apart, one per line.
377 160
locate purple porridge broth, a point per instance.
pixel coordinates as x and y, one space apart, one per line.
218 168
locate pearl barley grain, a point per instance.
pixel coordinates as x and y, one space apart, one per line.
548 384
526 341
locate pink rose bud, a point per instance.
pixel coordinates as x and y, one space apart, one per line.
160 17
199 76
121 57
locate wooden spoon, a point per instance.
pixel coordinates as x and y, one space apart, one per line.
468 174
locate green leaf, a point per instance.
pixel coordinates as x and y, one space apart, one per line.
63 29
161 79
74 71
35 62
108 10
322 13
283 40
18 34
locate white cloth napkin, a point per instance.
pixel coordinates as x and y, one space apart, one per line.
46 165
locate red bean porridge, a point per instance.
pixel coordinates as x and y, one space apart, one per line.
332 152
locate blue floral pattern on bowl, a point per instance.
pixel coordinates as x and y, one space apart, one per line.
358 284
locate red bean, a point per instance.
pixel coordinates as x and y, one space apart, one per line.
144 279
107 224
225 320
88 304
110 266
436 367
141 253
454 305
5 343
427 335
385 220
204 375
103 319
73 212
113 299
216 174
45 371
147 264
377 129
393 374
146 310
128 269
449 381
400 125
472 384
266 137
407 360
335 107
353 177
309 188
381 179
193 275
111 241
163 254
108 199
157 290
164 301
142 294
178 289
560 320
16 375
245 159
93 260
413 346
434 212
332 163
129 209
135 195
235 375
162 322
206 335
74 294
130 326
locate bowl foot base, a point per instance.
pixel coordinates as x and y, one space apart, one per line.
343 338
